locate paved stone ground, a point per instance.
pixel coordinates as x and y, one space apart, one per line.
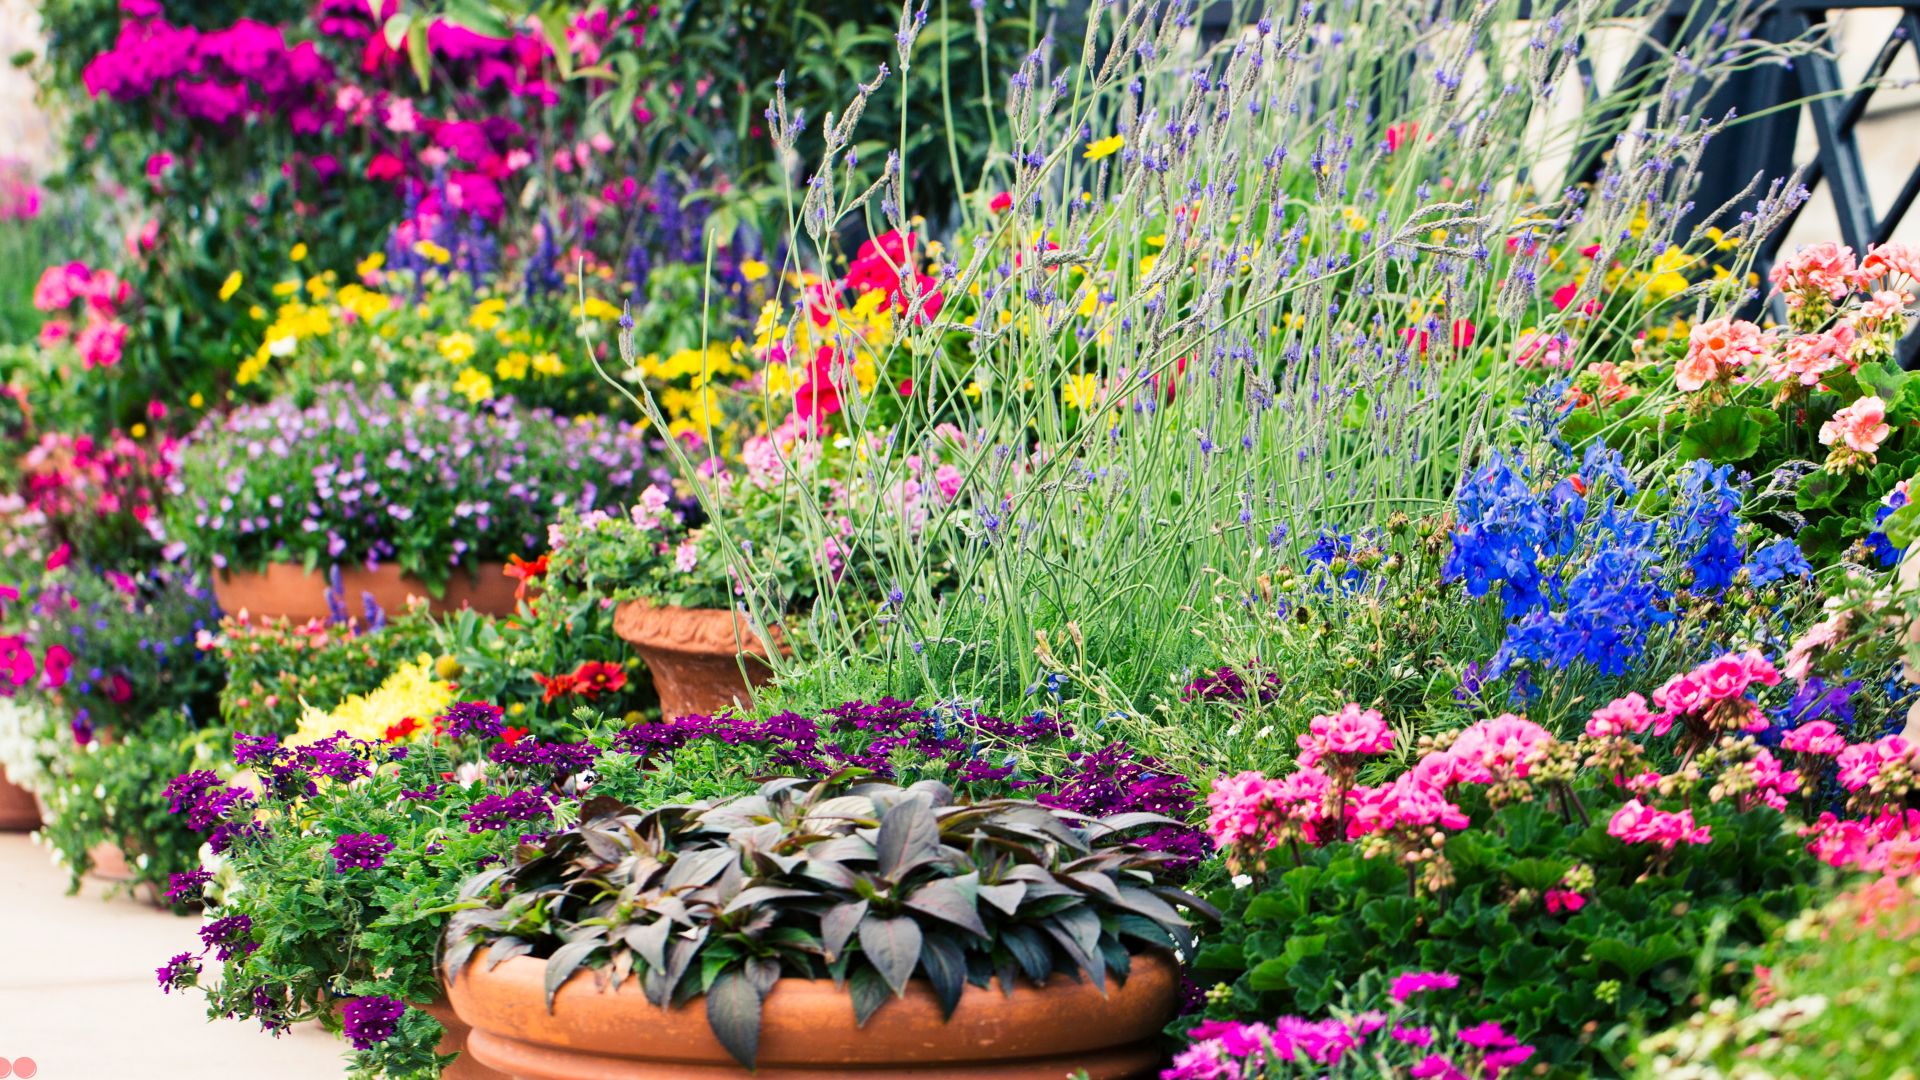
77 993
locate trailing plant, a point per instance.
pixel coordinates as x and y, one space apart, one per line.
100 792
867 883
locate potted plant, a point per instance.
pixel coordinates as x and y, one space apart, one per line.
707 602
336 861
310 507
1001 937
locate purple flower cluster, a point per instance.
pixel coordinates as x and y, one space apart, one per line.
563 758
1227 684
202 798
369 1021
435 483
363 851
187 887
228 936
956 742
472 720
496 812
182 971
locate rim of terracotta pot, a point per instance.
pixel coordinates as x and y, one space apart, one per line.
810 1022
289 590
693 631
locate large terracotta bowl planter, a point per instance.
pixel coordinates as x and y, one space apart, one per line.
466 1066
19 811
695 654
290 591
808 1033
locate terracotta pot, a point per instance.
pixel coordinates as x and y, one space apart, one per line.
808 1033
695 655
289 591
466 1066
109 862
19 810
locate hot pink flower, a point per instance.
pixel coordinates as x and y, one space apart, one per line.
1861 426
1419 982
1622 716
1862 764
1351 732
1816 737
1559 900
1638 823
1239 808
1809 357
1505 747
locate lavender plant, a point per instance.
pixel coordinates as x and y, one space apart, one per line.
1229 304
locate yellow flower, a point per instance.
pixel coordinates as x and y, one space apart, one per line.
475 385
285 288
370 265
138 431
299 253
487 313
230 286
196 401
512 366
457 347
973 390
1080 392
1104 147
753 269
596 308
412 690
432 252
547 363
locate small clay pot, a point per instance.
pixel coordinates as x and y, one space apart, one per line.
109 863
696 655
808 1031
19 810
290 591
466 1066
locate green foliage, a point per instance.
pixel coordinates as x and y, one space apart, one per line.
1573 984
1831 999
788 882
112 793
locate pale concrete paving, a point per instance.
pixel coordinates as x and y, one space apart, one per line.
77 992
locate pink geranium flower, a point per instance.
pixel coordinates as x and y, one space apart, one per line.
1861 426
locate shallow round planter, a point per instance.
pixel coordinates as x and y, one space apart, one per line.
466 1066
19 810
695 654
290 591
808 1032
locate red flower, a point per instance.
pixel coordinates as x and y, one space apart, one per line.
119 690
512 735
596 677
61 556
554 686
1001 203
523 571
401 730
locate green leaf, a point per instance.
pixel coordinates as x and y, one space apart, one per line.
1727 434
1820 489
892 946
733 1012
